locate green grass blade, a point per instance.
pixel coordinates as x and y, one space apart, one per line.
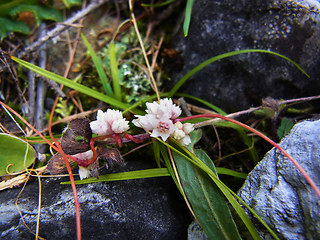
146 173
99 66
231 173
187 17
166 159
156 151
247 140
114 71
225 55
213 107
76 86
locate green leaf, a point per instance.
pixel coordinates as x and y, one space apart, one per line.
15 151
114 71
40 13
146 173
99 66
222 56
206 199
69 3
76 86
7 26
285 127
6 5
230 172
187 17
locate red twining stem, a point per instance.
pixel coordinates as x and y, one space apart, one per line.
297 165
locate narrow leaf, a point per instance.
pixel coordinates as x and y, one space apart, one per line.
230 172
76 86
187 17
146 173
114 71
99 66
222 56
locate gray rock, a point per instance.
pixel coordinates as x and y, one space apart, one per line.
195 232
288 27
278 192
134 209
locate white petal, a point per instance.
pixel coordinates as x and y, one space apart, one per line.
83 172
179 125
120 126
164 128
146 122
112 115
186 140
100 127
178 134
188 127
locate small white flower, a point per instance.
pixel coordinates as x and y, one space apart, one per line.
163 128
159 119
186 140
83 172
173 110
166 108
178 134
109 122
182 132
144 122
188 127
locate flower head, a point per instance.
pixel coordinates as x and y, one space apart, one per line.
160 120
165 108
109 122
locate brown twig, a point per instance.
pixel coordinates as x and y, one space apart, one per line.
62 27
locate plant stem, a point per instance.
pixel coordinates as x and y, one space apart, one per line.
296 164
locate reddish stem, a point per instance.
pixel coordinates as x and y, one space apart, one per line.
74 191
58 148
296 164
132 138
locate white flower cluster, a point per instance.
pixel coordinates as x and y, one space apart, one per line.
159 121
109 122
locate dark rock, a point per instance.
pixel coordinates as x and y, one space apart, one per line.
278 192
290 28
134 209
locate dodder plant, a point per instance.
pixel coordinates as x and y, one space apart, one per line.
173 140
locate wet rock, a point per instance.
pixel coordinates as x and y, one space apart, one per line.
278 192
288 27
134 209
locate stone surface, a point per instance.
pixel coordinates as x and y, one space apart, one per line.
288 27
280 194
134 209
195 232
